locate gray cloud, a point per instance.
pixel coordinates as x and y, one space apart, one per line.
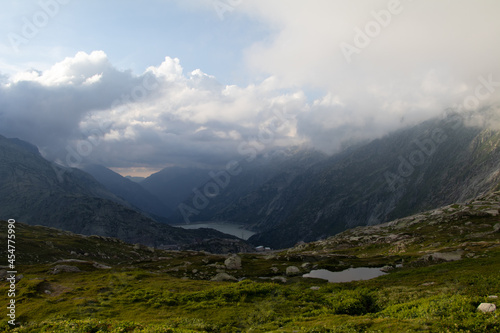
431 56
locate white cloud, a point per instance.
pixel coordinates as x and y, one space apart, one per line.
428 57
161 117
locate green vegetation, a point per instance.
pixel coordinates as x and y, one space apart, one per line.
117 287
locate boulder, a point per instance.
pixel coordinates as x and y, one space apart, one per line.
65 269
487 307
279 278
233 262
292 270
387 269
223 277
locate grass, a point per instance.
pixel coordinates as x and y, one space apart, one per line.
137 300
171 291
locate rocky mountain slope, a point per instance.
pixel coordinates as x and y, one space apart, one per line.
257 181
36 192
130 191
433 164
448 233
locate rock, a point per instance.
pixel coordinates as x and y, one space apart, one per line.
492 212
314 288
100 266
233 262
223 277
65 269
428 284
275 269
493 296
487 307
446 256
387 269
292 270
279 278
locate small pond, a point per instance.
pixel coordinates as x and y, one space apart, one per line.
348 275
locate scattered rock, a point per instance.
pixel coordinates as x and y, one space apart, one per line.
292 270
314 288
487 307
275 269
233 262
223 277
493 296
65 269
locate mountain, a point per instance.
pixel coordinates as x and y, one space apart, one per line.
172 185
35 191
128 190
251 186
430 165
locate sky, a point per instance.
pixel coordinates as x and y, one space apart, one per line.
142 85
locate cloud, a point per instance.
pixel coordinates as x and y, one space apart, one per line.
422 58
85 110
409 65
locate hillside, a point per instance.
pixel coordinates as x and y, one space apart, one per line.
441 265
36 192
128 190
376 183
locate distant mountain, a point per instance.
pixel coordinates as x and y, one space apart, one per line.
172 185
35 191
430 165
128 190
255 182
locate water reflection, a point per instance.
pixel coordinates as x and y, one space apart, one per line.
348 275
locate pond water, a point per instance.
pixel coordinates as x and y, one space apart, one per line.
225 227
348 275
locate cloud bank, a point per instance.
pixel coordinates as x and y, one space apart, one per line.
373 67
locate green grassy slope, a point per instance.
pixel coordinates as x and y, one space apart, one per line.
145 290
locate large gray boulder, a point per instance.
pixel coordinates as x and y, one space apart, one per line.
292 270
233 262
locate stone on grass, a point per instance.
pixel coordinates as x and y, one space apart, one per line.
292 270
224 277
233 262
65 269
487 307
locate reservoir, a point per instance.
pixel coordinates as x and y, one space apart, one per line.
348 275
225 227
